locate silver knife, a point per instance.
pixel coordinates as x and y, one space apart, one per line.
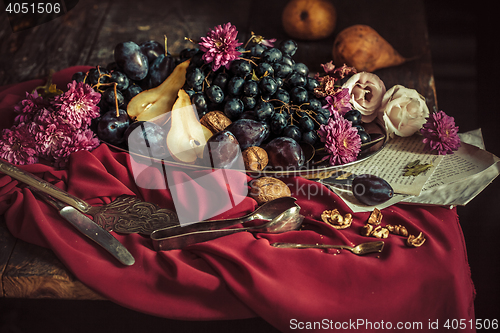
90 229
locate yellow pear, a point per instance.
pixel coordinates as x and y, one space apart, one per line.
151 103
186 138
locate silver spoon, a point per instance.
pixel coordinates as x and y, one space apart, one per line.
288 220
360 249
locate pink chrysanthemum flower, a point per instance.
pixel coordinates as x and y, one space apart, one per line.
77 106
339 102
48 137
17 145
27 107
342 141
220 46
76 141
440 133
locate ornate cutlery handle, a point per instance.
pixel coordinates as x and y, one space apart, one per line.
44 186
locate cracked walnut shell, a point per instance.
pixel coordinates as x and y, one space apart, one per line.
334 218
265 189
215 121
255 158
375 217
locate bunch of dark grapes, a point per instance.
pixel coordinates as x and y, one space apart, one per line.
264 84
136 67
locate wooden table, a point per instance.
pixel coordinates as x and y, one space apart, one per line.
87 35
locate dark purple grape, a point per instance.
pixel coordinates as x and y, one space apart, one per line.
354 116
112 128
131 60
109 97
235 86
293 132
296 80
277 123
320 119
97 75
315 104
152 49
194 77
264 68
272 55
146 138
365 137
306 123
301 68
371 190
310 137
199 101
285 153
311 84
121 80
299 95
233 108
132 91
160 69
249 132
280 98
221 80
263 110
257 49
268 86
282 69
240 67
288 47
248 102
187 53
215 94
288 60
251 88
78 77
222 150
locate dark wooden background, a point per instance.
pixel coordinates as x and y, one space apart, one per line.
456 63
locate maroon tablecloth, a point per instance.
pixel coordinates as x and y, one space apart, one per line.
241 275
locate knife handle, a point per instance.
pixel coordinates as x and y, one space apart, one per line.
43 186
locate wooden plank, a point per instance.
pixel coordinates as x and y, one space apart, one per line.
7 243
35 272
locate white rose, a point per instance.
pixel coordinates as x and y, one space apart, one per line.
366 91
403 111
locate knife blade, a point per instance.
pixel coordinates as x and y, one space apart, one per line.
90 229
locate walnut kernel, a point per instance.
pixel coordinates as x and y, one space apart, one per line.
255 158
215 121
380 232
415 241
367 230
334 218
397 230
375 217
265 189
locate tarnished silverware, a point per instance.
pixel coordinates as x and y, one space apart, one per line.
125 214
178 238
360 249
90 229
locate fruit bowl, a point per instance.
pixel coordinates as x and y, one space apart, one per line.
313 156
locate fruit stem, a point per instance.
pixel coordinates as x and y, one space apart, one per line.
116 101
166 48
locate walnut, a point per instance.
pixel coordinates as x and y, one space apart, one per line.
397 230
415 241
215 121
380 232
255 158
265 189
375 217
334 218
367 230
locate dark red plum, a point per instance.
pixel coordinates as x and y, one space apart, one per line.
222 150
371 190
285 153
146 138
249 132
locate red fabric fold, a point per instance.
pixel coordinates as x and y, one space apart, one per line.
241 275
